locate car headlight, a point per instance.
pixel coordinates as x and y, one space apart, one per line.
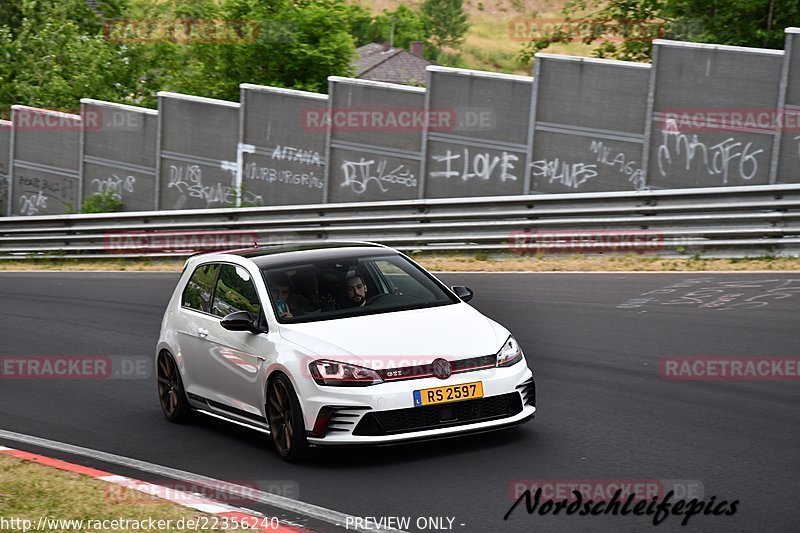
327 372
509 354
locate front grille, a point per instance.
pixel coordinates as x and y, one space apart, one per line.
439 416
424 371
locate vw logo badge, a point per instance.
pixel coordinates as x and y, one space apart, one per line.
441 368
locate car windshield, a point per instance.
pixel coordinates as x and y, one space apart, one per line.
354 286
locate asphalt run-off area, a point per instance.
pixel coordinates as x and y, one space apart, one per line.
621 401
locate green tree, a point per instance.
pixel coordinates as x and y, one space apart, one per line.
446 24
296 44
757 23
11 15
359 23
409 26
633 24
56 54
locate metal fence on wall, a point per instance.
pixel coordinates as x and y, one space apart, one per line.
5 163
788 158
374 152
699 116
483 149
119 153
45 161
282 148
588 124
690 80
197 155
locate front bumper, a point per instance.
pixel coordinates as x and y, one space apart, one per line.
385 413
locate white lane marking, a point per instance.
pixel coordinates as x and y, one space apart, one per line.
184 498
210 508
119 480
280 502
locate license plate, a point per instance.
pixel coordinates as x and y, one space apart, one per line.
448 393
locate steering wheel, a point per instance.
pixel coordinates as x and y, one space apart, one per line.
379 298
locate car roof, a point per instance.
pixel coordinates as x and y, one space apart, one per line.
284 254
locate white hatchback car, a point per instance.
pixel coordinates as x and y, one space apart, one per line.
335 344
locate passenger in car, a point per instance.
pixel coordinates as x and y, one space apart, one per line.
287 303
307 285
280 289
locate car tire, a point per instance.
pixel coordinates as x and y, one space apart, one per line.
285 418
171 394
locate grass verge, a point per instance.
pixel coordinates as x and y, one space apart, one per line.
493 45
463 262
29 491
498 30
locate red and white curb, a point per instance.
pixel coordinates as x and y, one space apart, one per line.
185 499
273 501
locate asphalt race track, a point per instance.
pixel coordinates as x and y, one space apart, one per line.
594 341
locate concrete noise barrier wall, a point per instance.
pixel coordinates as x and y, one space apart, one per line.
588 124
282 147
45 161
700 135
699 116
482 150
5 166
788 159
119 153
374 141
197 164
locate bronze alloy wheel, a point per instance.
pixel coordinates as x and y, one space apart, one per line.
170 389
286 420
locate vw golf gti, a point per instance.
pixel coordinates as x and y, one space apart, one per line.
335 344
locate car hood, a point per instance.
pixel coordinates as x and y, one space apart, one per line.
451 331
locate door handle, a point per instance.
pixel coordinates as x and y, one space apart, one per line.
202 332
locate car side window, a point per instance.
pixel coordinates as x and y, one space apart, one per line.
197 294
235 291
401 282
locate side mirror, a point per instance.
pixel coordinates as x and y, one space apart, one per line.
465 293
240 321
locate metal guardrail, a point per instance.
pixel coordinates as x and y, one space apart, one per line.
726 222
